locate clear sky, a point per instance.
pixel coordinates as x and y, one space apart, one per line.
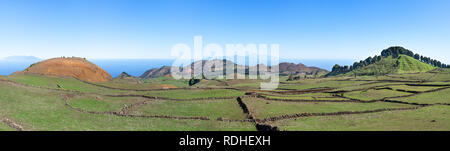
310 29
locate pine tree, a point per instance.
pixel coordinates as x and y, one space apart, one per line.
417 56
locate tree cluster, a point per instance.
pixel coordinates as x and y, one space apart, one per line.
193 81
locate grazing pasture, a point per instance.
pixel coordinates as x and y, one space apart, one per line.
410 101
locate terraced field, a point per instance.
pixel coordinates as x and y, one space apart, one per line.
211 109
432 118
266 109
392 102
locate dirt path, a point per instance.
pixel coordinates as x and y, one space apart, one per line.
12 124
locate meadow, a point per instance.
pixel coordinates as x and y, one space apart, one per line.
409 101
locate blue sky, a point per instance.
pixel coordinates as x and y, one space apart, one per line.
308 29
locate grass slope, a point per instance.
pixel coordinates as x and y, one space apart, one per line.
102 104
205 108
433 118
63 83
390 65
41 109
368 95
264 109
429 98
408 64
195 93
34 107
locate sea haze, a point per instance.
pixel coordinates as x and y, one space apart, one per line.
12 64
136 67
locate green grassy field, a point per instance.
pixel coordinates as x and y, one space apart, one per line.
429 98
389 65
62 83
168 81
432 118
205 108
320 84
38 102
366 86
40 109
143 84
304 96
300 97
195 93
264 109
102 104
413 88
441 77
410 65
372 94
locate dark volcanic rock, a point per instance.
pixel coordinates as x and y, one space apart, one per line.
124 75
156 72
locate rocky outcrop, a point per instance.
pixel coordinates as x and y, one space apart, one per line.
125 75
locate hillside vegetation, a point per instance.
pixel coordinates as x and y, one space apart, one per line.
389 65
408 64
394 60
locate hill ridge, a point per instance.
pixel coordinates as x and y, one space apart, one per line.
286 68
396 52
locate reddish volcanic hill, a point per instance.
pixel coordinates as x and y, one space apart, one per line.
78 68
